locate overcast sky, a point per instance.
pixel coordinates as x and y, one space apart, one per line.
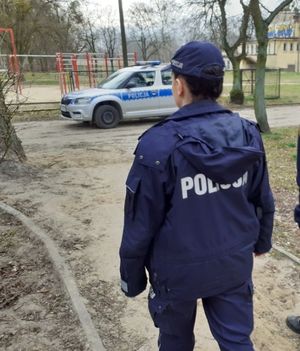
235 7
95 8
112 3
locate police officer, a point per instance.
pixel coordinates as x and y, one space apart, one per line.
198 207
293 322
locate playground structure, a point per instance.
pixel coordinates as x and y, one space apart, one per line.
86 69
72 71
42 79
9 62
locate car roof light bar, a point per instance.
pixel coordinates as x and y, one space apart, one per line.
145 63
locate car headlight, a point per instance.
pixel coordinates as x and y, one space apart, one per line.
82 100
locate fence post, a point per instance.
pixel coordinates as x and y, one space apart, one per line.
62 78
15 61
63 74
135 57
279 83
75 71
93 71
89 68
10 64
58 69
106 64
252 81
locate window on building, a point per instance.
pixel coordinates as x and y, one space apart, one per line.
284 46
272 48
291 46
298 47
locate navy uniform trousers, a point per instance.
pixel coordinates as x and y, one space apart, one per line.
229 315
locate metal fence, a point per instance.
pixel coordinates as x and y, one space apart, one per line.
43 79
272 82
44 82
77 70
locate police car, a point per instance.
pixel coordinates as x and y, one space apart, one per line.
139 91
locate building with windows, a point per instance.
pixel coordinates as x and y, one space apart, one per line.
284 43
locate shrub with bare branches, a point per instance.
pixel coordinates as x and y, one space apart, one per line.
10 144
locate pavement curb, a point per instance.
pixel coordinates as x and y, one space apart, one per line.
66 276
287 254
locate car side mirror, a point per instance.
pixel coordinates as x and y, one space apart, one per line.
131 85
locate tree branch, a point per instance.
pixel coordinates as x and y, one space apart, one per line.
278 9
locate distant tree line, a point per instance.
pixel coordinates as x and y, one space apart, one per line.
154 29
43 26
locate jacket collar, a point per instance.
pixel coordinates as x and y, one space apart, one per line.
197 108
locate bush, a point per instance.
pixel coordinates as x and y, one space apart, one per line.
237 97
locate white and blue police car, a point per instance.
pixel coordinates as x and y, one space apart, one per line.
143 90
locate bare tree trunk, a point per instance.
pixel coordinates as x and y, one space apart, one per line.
236 93
259 93
10 144
213 14
261 29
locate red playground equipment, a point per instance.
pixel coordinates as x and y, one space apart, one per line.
86 69
12 67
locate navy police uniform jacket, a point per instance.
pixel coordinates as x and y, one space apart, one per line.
198 204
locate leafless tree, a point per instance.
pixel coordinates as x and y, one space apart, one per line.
90 35
151 28
10 144
42 26
109 35
142 29
262 18
230 33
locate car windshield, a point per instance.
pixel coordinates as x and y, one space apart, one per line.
115 80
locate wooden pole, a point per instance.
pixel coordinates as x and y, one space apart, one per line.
123 34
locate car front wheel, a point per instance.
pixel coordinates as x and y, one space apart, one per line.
106 116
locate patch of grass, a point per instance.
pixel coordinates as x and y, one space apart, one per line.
290 77
273 136
289 90
280 147
46 115
40 78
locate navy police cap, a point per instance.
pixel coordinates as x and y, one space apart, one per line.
192 58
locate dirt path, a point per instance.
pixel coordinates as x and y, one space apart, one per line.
75 192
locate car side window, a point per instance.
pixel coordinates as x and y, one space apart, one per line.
142 79
137 80
149 77
166 77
